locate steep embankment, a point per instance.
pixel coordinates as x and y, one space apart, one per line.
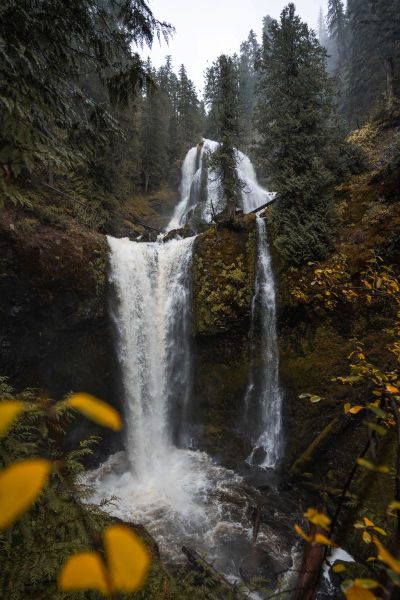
223 283
55 332
326 311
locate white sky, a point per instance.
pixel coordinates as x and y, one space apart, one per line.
207 28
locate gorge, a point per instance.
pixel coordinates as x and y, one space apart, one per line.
163 479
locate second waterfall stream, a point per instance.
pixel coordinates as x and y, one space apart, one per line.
180 494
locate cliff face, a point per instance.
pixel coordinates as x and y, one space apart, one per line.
223 284
325 313
55 330
56 333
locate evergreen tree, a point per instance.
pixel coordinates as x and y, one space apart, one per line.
48 51
294 111
154 132
222 96
337 24
188 113
374 57
247 86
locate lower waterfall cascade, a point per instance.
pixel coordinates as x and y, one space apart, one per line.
180 494
268 390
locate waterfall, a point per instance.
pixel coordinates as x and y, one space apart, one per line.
192 198
263 393
152 284
182 495
188 172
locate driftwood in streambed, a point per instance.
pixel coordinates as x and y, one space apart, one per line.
220 588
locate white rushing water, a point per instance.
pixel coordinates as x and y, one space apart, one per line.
182 495
263 394
174 491
252 195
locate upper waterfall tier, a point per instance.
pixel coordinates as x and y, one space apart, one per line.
201 194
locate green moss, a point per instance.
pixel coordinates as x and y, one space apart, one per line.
223 276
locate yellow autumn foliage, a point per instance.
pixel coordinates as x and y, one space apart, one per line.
128 562
20 485
9 412
97 410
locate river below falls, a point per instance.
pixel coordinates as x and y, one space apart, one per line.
189 500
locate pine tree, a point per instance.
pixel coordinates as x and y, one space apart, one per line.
48 51
188 113
337 24
294 110
374 57
222 96
247 86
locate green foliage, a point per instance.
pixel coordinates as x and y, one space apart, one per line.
248 78
222 97
372 38
33 550
295 123
48 52
61 522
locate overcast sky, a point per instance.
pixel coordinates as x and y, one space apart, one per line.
207 28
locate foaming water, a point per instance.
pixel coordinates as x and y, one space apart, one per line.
180 495
264 398
188 500
208 200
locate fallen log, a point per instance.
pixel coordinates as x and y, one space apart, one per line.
256 210
139 222
213 577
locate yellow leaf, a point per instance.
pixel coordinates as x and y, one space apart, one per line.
338 568
385 556
367 537
317 518
96 410
368 522
380 530
128 558
84 571
392 390
302 534
369 584
20 485
347 408
9 412
371 467
355 592
354 410
323 540
394 506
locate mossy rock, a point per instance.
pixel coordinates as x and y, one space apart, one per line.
223 278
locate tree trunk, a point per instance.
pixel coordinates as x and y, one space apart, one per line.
50 173
390 94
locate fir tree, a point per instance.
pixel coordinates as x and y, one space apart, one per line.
48 52
294 111
222 96
374 57
247 86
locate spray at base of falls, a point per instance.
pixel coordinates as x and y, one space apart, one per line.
265 395
176 492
